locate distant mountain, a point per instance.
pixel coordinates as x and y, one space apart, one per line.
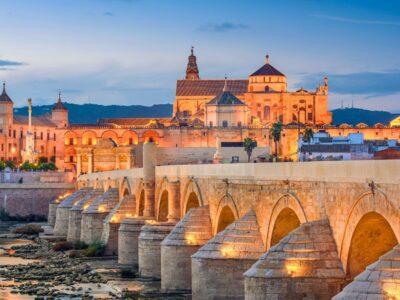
353 116
90 113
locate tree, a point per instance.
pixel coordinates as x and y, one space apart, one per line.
249 144
276 132
307 138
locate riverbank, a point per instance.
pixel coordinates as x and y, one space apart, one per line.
31 269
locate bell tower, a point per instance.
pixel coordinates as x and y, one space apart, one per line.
6 110
59 113
192 71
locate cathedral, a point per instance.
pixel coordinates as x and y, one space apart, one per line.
206 112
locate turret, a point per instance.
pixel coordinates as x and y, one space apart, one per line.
192 71
59 113
6 110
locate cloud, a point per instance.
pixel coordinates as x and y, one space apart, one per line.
371 84
108 14
10 63
356 21
222 27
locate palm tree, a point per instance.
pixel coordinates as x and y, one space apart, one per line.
249 144
276 132
307 137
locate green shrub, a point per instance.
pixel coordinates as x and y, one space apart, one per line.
63 246
95 249
29 229
79 245
75 254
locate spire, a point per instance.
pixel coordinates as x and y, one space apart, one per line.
59 105
192 71
225 89
4 87
59 96
267 59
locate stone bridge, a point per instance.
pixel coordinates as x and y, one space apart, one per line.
312 230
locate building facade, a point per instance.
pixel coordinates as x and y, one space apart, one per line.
203 110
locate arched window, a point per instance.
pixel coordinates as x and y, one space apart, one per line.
267 112
224 123
266 88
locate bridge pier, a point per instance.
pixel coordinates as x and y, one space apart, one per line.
94 215
379 281
150 238
112 223
75 215
304 264
51 217
128 239
62 214
218 266
192 232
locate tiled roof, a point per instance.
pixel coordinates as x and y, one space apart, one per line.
326 148
36 121
267 70
225 98
209 87
4 97
131 121
59 105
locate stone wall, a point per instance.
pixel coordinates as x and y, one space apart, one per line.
34 198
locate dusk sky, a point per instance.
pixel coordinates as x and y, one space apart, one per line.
133 51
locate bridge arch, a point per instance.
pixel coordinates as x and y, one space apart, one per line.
287 214
124 188
162 215
372 228
191 197
227 213
140 198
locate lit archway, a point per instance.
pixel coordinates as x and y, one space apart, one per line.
163 207
226 217
109 134
372 238
192 202
286 222
283 204
141 203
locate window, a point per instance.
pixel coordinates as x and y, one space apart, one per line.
224 123
71 141
71 159
54 136
266 88
239 124
9 132
267 113
310 116
41 149
54 150
34 135
90 141
14 133
41 135
48 136
2 148
21 134
9 147
130 141
211 124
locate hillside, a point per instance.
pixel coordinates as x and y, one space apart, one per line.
354 116
90 113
